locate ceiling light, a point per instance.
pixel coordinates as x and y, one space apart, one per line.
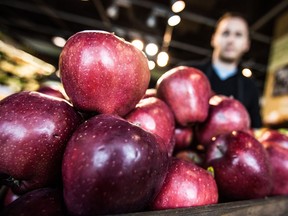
151 64
151 49
177 6
58 41
151 21
138 43
174 20
113 11
162 59
247 72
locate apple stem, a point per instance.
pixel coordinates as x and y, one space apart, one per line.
210 169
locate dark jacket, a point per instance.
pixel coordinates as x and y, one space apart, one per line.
242 88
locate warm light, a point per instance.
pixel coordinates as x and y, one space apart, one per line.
151 49
162 59
247 72
138 44
113 11
174 20
151 64
178 6
58 41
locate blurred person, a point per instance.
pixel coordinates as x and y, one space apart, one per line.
230 42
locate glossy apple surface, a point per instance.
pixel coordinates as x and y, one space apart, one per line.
186 185
34 130
111 166
241 166
43 201
187 91
154 115
183 137
226 114
103 73
276 145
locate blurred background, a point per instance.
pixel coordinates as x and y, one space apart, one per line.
33 32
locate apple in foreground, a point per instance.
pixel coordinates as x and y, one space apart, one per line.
241 166
34 130
186 185
111 166
42 201
154 115
226 114
103 73
276 145
187 91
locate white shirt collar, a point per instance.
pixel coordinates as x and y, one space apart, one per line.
223 73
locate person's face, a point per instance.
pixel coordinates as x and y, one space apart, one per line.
231 39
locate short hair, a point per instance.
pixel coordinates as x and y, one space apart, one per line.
233 15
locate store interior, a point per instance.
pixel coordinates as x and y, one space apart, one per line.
40 28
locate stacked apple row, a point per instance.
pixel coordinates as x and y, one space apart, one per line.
113 146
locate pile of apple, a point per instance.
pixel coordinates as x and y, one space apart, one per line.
114 146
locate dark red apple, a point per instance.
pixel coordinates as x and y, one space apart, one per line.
226 114
187 91
10 197
154 115
103 73
241 166
34 130
183 137
186 185
111 166
276 145
191 155
40 202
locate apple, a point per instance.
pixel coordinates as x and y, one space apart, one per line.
186 185
34 130
191 155
187 91
103 73
241 166
276 145
183 137
154 115
42 201
111 166
226 114
10 197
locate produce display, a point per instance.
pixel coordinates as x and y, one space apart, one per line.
110 145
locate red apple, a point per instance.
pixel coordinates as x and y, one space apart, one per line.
226 114
10 197
183 137
191 155
186 185
154 115
103 73
43 201
34 130
241 166
111 166
276 145
187 91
